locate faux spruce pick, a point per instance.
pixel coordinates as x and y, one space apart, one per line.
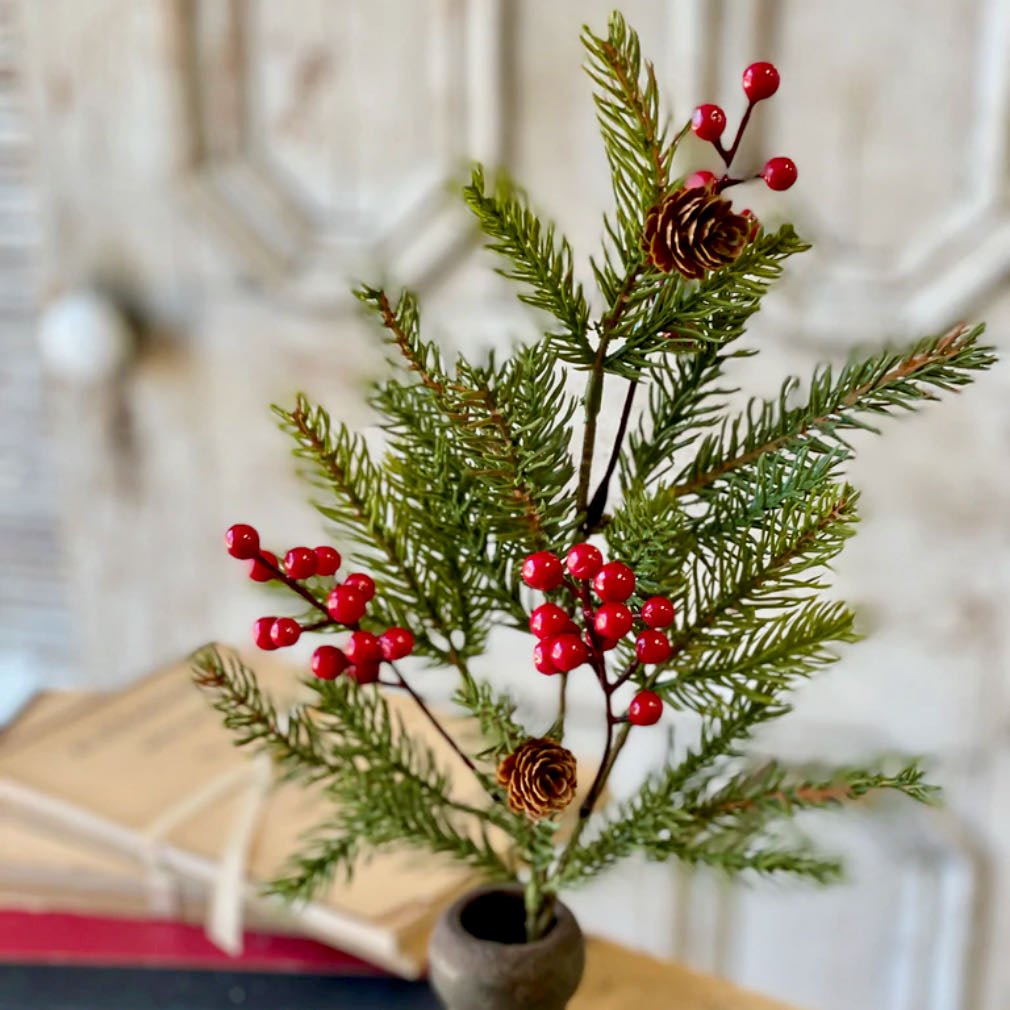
687 574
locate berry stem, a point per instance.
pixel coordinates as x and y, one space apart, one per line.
728 156
282 576
319 625
440 729
599 500
627 675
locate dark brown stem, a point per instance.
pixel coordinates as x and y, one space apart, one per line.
599 499
430 716
282 576
626 676
728 156
594 388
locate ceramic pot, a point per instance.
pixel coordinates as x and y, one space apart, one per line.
478 958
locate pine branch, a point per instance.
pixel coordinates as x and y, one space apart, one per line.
495 715
878 385
388 787
762 662
539 259
402 325
636 141
667 314
774 790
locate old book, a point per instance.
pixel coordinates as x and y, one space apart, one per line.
145 789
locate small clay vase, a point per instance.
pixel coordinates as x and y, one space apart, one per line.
478 957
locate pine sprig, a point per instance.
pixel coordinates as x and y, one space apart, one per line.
538 258
637 144
876 385
361 506
495 714
388 787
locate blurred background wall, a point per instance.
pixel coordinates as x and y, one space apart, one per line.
187 189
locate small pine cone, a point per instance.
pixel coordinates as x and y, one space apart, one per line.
692 231
539 776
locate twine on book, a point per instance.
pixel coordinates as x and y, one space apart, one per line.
223 922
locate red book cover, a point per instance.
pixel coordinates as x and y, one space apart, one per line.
58 938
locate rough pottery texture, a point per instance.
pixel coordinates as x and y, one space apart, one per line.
478 960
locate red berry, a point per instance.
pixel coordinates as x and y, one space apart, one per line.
760 80
657 612
700 180
365 673
779 173
549 620
708 122
363 649
396 643
346 605
300 563
542 571
328 662
614 582
652 647
645 708
242 541
568 651
261 629
362 583
613 621
259 572
286 631
584 561
542 658
327 561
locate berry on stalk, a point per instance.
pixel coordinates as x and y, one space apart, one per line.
614 582
584 561
549 620
658 612
396 643
652 647
760 81
568 651
613 621
258 571
361 583
363 648
542 571
708 121
779 173
346 605
261 629
700 180
542 658
242 541
328 662
300 563
286 631
327 560
364 673
645 709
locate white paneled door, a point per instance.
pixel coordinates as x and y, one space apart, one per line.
214 173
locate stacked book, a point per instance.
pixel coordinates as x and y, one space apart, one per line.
138 806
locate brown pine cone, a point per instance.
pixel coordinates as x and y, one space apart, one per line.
692 231
539 776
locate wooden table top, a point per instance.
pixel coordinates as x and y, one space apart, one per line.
620 979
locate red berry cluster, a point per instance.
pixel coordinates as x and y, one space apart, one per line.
760 81
346 605
562 646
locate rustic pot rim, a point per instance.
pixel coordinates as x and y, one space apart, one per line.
563 920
